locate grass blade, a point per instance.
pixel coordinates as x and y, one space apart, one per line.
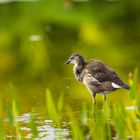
52 112
33 125
1 123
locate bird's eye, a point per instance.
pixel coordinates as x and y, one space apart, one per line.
72 57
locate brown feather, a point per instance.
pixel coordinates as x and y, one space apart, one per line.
102 72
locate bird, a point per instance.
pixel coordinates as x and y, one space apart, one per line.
96 76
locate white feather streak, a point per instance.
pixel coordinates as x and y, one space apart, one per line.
115 85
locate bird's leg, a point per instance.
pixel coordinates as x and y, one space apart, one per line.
94 106
94 96
104 97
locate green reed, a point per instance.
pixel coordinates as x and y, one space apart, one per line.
15 111
33 124
1 122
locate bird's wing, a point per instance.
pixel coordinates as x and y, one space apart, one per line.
102 72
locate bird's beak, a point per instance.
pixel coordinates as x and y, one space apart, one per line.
67 62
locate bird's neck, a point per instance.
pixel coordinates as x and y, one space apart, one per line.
78 68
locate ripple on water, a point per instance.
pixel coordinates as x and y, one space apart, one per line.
45 128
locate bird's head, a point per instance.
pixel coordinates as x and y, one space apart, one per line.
75 59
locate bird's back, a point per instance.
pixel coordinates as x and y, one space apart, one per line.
102 73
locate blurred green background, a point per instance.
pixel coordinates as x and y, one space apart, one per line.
37 37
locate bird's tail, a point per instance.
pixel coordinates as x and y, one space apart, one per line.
125 86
